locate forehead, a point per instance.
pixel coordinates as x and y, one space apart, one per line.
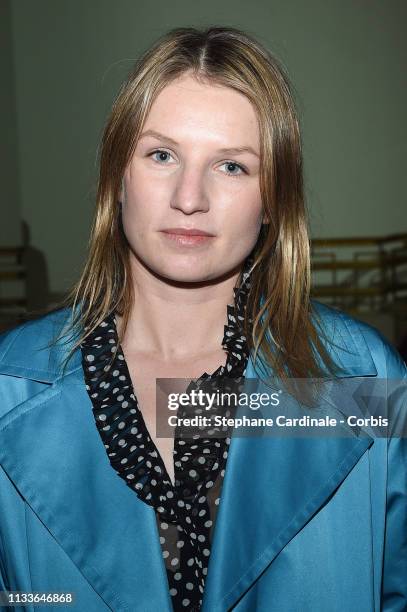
194 109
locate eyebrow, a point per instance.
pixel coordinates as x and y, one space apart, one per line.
231 150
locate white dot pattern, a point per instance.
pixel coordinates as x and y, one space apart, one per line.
186 511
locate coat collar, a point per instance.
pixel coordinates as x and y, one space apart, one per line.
344 341
120 527
43 362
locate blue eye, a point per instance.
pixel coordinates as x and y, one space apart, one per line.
163 156
232 166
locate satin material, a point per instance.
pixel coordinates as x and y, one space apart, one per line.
304 525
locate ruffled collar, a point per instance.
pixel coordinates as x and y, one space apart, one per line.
131 451
234 340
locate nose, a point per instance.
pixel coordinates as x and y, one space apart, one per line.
189 194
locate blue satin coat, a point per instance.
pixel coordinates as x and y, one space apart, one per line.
304 525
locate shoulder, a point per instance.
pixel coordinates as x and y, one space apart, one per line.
358 346
31 349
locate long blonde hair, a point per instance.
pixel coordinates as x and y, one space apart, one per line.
284 331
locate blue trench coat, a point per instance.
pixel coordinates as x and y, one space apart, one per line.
316 525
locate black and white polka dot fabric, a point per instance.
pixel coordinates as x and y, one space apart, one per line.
186 510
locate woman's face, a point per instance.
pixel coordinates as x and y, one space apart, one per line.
195 167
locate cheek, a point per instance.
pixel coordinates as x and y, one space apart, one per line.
142 184
247 216
136 217
140 206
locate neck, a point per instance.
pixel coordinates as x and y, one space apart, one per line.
176 321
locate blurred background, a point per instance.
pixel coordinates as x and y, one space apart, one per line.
62 62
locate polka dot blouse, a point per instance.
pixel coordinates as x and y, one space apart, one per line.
186 510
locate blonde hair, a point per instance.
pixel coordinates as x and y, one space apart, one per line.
284 332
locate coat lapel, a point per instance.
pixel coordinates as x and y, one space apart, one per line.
272 488
51 450
274 485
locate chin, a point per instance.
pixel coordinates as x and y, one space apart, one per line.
185 269
198 267
185 273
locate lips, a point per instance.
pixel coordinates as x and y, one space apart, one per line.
183 231
187 237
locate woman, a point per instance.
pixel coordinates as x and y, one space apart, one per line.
198 269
